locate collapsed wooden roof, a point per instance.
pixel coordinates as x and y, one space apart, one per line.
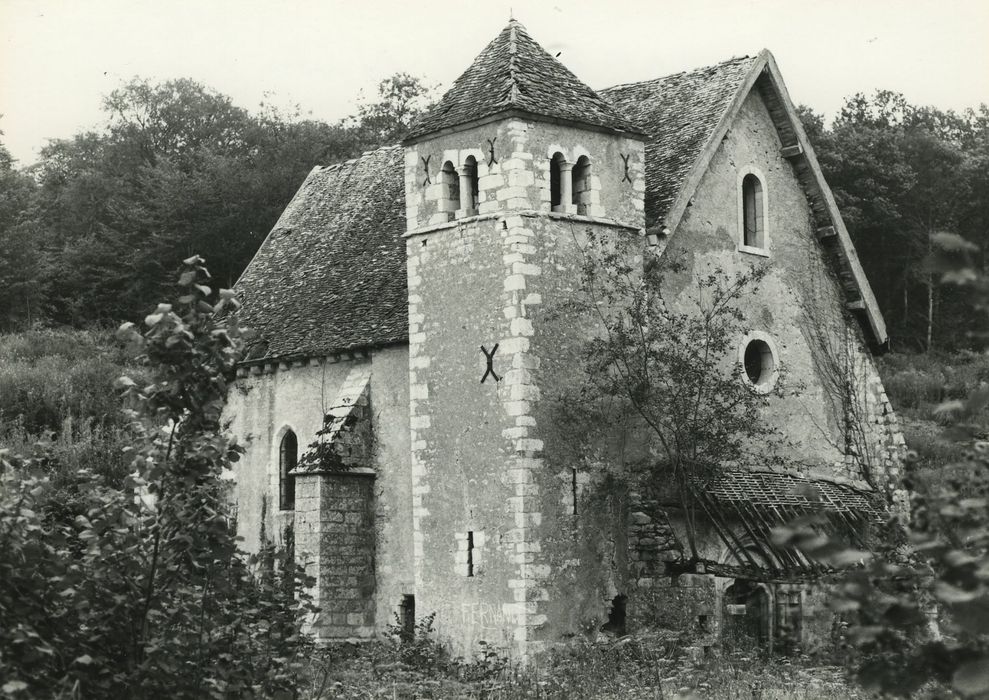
745 506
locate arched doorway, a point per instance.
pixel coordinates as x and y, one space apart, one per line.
748 621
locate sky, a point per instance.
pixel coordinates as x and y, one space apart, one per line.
59 57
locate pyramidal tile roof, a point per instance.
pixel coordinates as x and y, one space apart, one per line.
678 113
514 72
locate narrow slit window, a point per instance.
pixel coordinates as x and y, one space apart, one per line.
407 618
753 225
288 458
556 181
573 486
470 553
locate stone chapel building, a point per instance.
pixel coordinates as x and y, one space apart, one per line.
400 305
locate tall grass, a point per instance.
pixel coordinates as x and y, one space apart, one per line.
916 384
627 668
58 385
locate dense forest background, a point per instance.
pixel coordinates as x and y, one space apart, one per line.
91 233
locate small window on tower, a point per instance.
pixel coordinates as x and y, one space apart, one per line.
450 193
469 553
582 184
469 189
556 164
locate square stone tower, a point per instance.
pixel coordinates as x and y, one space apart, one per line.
506 178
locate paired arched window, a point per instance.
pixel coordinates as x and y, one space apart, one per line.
753 214
569 184
288 458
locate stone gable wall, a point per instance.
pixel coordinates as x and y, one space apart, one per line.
851 438
799 305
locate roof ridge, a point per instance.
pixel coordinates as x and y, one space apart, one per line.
355 159
689 71
513 50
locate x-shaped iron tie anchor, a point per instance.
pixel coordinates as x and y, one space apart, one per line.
490 358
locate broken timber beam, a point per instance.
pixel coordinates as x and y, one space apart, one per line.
792 151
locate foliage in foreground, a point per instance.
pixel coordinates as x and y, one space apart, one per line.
945 569
626 669
140 591
57 386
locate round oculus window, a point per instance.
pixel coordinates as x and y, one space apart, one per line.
759 362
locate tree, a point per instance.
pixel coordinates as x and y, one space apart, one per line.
21 261
178 170
661 365
900 173
401 99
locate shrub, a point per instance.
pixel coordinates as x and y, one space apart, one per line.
140 591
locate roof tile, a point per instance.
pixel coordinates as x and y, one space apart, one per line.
331 275
514 72
678 113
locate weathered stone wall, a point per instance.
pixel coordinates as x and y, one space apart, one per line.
480 449
335 541
274 398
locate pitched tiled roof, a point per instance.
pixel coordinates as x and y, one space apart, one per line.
331 275
513 72
678 113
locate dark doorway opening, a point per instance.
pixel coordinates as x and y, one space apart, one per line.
748 616
616 616
407 618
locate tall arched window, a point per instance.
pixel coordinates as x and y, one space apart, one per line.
450 197
582 184
288 458
753 216
469 186
556 181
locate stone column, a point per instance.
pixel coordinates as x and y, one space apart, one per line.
466 191
566 205
566 185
